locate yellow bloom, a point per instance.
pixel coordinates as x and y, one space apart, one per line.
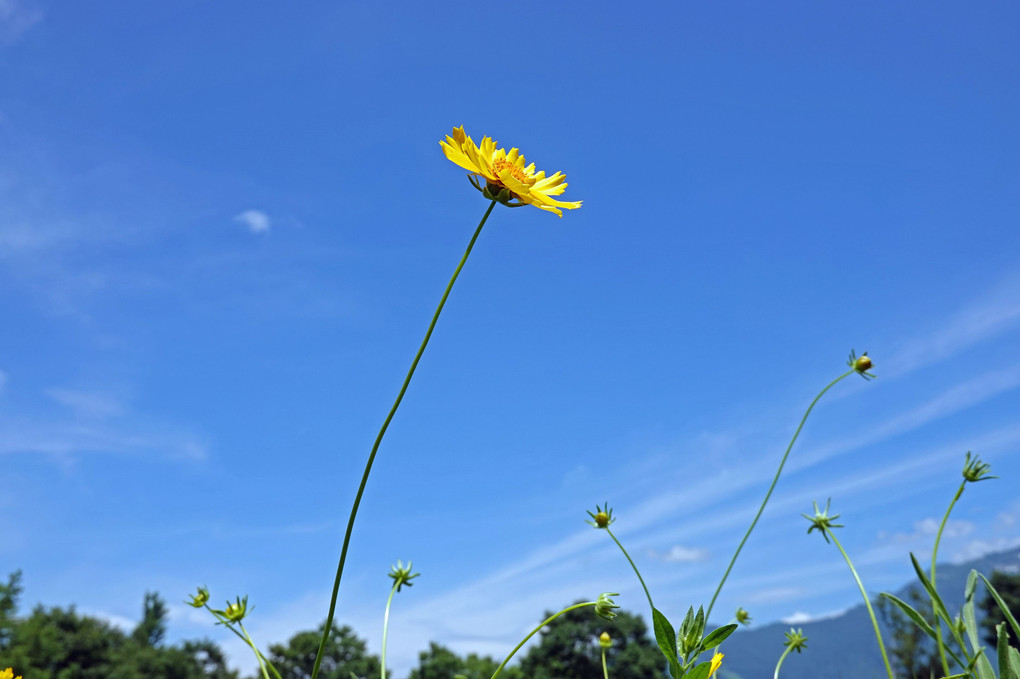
8 674
506 170
716 663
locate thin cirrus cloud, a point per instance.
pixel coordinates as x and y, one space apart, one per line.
996 312
16 19
257 221
680 554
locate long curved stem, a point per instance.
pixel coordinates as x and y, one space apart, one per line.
605 669
386 629
779 664
378 439
258 656
535 631
867 602
934 554
771 488
636 571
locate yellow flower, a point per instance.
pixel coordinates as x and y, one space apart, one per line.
506 170
8 674
716 663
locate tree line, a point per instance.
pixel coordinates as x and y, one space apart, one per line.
59 643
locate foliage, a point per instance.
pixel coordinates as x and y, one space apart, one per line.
59 643
345 656
912 652
569 649
439 662
1008 587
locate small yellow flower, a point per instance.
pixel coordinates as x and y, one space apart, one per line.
8 674
716 663
504 170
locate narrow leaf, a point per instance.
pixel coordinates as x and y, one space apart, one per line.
699 672
936 600
1014 662
717 637
968 591
1005 671
1002 606
919 620
665 637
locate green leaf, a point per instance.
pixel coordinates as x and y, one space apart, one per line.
968 591
981 666
699 672
919 620
1013 663
936 600
717 637
1005 671
1002 606
665 637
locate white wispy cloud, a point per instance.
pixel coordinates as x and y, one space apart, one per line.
256 221
980 547
928 527
87 404
680 554
16 18
996 312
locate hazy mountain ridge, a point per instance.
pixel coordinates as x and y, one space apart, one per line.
844 646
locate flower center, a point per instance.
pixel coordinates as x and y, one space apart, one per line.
501 164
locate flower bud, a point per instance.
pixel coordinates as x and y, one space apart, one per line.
602 517
605 641
235 612
198 600
604 605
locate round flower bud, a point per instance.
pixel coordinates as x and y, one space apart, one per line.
605 641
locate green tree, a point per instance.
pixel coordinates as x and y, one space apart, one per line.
345 656
151 630
912 653
9 594
58 643
439 662
569 649
1008 587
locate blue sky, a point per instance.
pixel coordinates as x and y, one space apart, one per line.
223 229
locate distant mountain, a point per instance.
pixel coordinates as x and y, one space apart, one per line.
843 647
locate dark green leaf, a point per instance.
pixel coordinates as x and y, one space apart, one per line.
717 637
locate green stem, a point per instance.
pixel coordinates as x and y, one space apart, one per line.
867 602
771 488
636 571
375 447
535 631
779 664
934 554
230 626
386 628
247 639
605 670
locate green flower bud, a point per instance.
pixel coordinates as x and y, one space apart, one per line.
862 364
604 605
602 517
200 599
975 470
402 576
605 641
821 520
795 640
235 612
